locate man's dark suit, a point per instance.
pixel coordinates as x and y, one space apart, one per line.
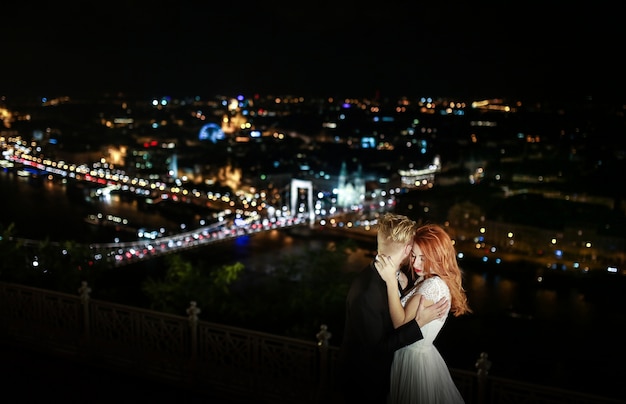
369 340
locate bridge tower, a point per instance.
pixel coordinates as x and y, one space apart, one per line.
296 186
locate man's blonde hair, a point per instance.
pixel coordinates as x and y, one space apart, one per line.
393 228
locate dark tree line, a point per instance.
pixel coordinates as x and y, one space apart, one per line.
302 292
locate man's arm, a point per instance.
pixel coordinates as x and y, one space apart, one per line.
425 314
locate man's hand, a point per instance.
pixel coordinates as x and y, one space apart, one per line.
424 315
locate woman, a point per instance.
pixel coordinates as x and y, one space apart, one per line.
419 374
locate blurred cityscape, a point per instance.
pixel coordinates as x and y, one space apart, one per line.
536 179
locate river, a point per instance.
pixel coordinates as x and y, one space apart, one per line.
565 335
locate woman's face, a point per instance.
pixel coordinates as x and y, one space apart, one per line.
417 260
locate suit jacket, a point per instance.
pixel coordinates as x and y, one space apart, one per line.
369 340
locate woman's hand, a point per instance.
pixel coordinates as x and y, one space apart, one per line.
386 269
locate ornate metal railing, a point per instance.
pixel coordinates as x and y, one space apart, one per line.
211 357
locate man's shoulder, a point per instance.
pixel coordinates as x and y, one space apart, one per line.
363 279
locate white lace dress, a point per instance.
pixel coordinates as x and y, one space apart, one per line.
418 373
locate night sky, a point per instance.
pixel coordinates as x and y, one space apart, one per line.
315 48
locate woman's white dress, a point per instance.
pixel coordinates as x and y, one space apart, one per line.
418 373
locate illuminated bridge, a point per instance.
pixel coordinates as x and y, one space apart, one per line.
120 254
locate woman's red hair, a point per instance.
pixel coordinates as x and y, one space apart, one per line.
440 259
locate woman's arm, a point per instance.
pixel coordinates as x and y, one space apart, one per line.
388 272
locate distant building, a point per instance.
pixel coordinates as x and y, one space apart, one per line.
420 178
350 188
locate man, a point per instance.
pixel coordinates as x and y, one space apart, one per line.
369 339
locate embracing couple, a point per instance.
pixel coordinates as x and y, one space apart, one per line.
392 317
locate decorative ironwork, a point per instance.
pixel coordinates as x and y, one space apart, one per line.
237 362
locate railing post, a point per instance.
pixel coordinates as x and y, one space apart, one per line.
192 312
482 365
323 336
84 292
